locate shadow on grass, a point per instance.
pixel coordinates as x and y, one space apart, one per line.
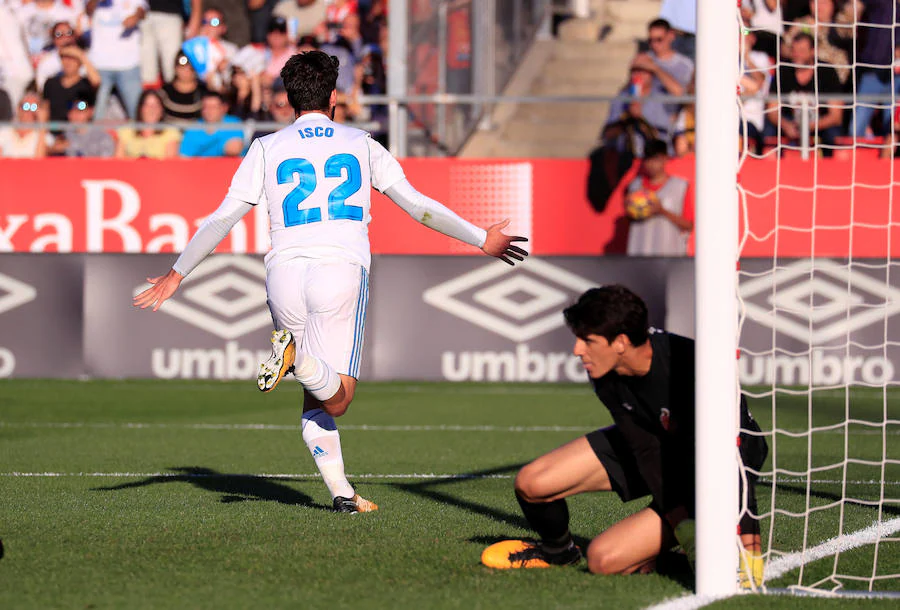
233 487
438 490
669 564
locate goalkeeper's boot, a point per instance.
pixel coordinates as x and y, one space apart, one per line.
356 504
752 568
510 554
280 363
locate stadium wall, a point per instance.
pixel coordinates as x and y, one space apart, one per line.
456 318
85 205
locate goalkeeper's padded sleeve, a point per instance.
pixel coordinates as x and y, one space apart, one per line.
211 232
434 214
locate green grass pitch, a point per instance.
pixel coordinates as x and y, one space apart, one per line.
168 497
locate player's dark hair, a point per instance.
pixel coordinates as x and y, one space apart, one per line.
654 148
660 23
609 311
309 79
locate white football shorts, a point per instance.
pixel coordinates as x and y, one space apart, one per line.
323 303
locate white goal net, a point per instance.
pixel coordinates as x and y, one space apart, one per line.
820 289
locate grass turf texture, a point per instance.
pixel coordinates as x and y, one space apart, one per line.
208 533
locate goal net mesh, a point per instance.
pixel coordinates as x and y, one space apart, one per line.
820 291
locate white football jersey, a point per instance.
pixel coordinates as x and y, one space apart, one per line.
315 176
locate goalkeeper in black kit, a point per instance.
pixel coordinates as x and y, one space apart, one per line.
645 377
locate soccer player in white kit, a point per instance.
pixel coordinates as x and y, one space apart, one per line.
314 176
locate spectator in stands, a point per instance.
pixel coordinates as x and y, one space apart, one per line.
682 16
37 18
764 16
833 32
244 94
350 32
667 229
278 109
372 81
149 142
373 19
24 142
280 49
304 16
633 123
756 81
69 84
116 51
89 140
684 130
49 64
803 79
213 141
16 69
219 52
182 98
162 32
874 56
335 13
671 72
260 13
6 110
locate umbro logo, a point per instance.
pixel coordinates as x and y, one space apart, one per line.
819 301
225 296
519 303
14 293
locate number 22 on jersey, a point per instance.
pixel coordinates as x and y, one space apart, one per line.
305 174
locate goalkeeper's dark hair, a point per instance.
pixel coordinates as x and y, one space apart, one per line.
654 148
309 78
659 23
609 311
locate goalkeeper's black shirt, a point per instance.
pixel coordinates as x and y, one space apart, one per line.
655 414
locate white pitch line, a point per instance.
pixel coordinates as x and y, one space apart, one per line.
264 475
281 427
784 564
839 544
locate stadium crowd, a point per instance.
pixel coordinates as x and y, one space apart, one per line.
807 52
164 64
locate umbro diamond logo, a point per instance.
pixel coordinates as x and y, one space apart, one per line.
225 296
14 293
819 301
519 303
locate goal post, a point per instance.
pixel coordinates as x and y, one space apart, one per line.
716 309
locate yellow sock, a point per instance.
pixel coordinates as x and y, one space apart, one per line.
752 566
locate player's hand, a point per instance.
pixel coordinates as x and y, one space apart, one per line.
499 244
163 287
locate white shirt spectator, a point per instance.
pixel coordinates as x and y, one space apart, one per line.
765 19
754 108
302 17
15 65
38 17
112 48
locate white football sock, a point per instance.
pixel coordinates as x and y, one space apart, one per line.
316 376
321 436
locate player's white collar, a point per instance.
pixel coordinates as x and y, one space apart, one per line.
311 116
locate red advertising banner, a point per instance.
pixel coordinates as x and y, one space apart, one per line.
85 205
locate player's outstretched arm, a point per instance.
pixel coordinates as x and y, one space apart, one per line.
163 287
211 232
500 245
439 217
